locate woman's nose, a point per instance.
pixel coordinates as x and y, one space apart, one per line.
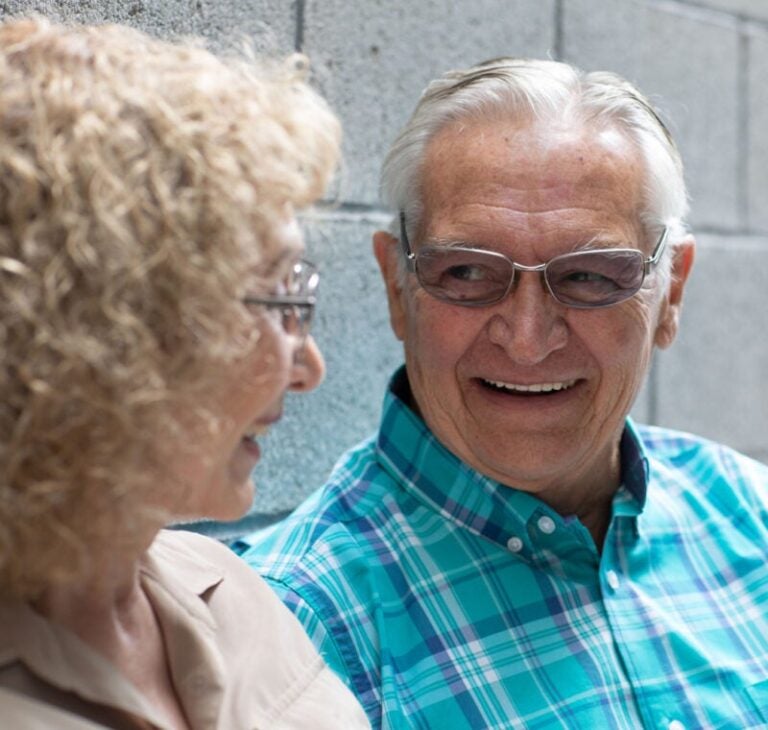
308 368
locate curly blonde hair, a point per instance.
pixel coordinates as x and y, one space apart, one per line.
140 182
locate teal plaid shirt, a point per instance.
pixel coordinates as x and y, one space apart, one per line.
447 600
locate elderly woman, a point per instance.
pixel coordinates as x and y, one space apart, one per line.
153 313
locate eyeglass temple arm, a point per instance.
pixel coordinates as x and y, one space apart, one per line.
308 301
405 243
658 251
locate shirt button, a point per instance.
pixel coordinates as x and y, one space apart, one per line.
676 725
613 582
515 544
546 525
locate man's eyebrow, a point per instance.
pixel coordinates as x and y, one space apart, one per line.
597 242
444 242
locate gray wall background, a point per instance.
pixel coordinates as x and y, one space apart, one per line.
703 62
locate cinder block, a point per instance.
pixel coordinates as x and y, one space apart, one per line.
688 64
759 455
750 9
270 24
713 379
642 410
757 160
373 59
352 329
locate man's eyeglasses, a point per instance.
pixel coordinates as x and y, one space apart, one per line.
295 299
474 277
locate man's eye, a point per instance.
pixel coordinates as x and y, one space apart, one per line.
587 277
466 272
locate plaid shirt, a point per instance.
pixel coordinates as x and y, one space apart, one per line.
447 600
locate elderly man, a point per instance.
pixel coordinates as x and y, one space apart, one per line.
511 550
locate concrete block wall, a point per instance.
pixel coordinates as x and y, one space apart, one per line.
703 62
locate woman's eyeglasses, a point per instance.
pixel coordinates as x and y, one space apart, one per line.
295 299
473 277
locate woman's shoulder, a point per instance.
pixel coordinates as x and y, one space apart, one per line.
261 641
178 544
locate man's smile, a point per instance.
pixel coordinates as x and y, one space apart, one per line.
534 388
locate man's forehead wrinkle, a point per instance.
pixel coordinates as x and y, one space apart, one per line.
514 175
461 221
518 175
473 214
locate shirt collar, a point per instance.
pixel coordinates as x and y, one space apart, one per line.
169 562
512 518
630 499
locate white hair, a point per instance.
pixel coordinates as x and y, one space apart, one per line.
540 91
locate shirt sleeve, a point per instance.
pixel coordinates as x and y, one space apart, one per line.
324 577
316 629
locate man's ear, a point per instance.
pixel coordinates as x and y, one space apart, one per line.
669 316
385 248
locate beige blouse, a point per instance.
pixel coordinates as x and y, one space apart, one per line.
239 659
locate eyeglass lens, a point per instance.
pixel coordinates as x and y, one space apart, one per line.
592 278
301 281
294 300
296 319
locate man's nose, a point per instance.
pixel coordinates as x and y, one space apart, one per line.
529 322
308 367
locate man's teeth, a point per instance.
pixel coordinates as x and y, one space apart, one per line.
534 388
